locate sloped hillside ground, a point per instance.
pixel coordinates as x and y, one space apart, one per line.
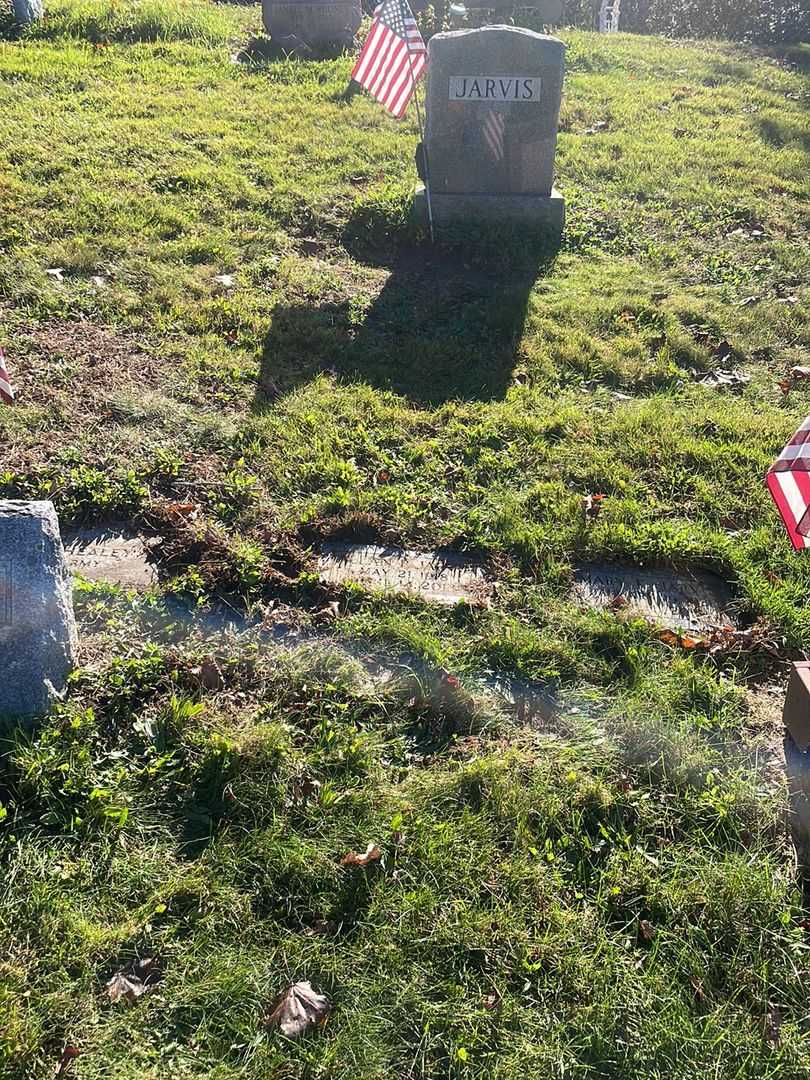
249 350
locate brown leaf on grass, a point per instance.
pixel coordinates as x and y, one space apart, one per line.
129 987
491 1001
800 372
69 1055
669 637
452 682
771 1024
297 1009
689 642
354 858
646 930
697 987
305 787
208 675
732 378
187 510
592 507
329 613
269 388
785 385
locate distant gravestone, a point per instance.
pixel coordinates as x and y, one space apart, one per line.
440 577
493 102
27 11
306 26
679 601
37 631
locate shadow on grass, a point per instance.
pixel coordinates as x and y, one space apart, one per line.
441 328
779 133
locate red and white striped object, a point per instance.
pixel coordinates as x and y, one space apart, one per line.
392 58
788 481
6 393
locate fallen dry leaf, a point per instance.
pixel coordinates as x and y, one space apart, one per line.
491 1001
732 378
646 929
592 507
330 612
297 1009
800 372
305 787
183 509
354 858
209 675
69 1054
771 1023
453 682
129 987
56 272
688 642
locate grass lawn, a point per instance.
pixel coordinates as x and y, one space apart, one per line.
605 889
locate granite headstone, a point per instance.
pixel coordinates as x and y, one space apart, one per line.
37 631
492 103
312 26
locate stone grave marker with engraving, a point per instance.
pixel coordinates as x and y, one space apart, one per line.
113 555
37 630
492 104
693 602
441 577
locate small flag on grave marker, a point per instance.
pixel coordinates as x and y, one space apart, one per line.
6 393
788 481
392 58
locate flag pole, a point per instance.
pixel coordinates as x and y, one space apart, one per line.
424 144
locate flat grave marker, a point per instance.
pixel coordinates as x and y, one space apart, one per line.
679 601
113 555
440 577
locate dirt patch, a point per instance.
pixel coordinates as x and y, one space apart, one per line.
65 360
766 731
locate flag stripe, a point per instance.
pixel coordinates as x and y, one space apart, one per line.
381 66
367 56
6 392
394 78
788 481
410 77
380 45
787 498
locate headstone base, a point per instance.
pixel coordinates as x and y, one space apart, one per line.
543 212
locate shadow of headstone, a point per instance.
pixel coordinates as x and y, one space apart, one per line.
439 329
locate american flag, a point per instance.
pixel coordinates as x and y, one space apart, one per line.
788 481
392 58
6 393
